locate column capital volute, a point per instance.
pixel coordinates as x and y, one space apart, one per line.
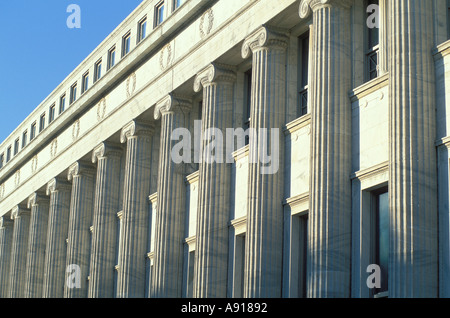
265 37
214 73
36 198
80 168
58 184
5 221
308 6
18 211
135 128
172 103
106 149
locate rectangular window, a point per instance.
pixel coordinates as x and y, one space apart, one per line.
247 101
111 58
142 30
126 44
8 154
382 239
303 69
16 146
51 113
190 274
177 4
299 245
239 263
42 122
85 83
372 47
98 71
24 138
2 159
62 103
73 93
33 131
159 13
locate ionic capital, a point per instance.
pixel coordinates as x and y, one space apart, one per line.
58 184
308 6
35 199
214 73
5 221
172 103
106 149
135 128
18 211
265 37
80 168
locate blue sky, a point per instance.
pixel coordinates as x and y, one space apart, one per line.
38 50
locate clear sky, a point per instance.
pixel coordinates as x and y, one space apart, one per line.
38 50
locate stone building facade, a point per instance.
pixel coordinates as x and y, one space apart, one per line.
93 204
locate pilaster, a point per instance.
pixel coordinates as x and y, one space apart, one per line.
6 237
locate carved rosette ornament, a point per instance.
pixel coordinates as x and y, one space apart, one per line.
76 130
34 164
165 57
54 148
2 190
172 103
265 37
214 73
308 6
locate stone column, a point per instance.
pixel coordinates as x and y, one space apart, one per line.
329 236
135 220
21 217
59 191
82 176
104 236
264 237
39 206
6 235
413 259
171 207
211 253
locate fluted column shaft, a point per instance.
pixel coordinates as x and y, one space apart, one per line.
21 217
413 259
329 237
56 249
6 236
135 220
80 221
171 209
264 237
39 206
211 252
106 206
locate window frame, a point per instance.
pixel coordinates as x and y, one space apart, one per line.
42 122
8 154
2 160
159 16
84 82
111 58
51 113
126 44
142 35
33 129
24 138
62 103
302 83
175 6
16 146
98 70
73 93
370 51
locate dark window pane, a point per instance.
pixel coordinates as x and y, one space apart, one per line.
383 239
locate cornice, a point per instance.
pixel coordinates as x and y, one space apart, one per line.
265 37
